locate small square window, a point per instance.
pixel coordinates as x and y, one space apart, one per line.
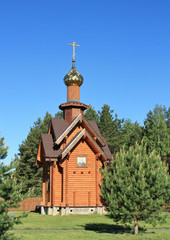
81 161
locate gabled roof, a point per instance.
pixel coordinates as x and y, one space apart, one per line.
85 124
60 129
93 131
106 150
72 143
68 129
105 147
50 151
84 133
95 127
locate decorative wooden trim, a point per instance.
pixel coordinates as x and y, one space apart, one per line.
49 128
73 104
72 144
38 159
93 132
75 141
49 159
88 127
98 155
70 127
99 150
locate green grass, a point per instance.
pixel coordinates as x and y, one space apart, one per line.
98 227
38 221
90 235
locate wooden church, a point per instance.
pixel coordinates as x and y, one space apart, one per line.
71 154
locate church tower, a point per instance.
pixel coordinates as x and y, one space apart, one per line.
73 80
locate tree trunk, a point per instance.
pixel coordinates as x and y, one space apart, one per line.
136 226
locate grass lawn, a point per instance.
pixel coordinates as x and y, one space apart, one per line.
91 235
98 227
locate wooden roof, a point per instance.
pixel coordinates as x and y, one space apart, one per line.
59 129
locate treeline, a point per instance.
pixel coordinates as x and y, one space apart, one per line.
117 132
124 133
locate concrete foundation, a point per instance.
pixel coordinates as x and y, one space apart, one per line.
64 211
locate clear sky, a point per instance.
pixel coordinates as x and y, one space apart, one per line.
124 57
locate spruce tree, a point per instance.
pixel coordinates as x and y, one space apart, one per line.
27 173
91 114
136 186
9 194
110 128
156 131
117 138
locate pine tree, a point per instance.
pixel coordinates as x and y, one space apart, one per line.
110 128
131 133
9 194
27 173
91 114
136 186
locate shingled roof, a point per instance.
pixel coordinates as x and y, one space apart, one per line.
105 148
60 129
48 146
86 125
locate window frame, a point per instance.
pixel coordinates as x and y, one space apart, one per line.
81 155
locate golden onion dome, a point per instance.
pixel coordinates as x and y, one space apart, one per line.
73 77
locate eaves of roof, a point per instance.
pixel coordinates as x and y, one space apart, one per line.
48 146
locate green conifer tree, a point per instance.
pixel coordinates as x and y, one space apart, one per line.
156 131
27 173
59 114
110 128
168 120
136 186
9 194
131 133
91 114
167 155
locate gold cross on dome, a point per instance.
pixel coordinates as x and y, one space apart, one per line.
74 45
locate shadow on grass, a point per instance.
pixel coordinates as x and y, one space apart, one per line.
109 228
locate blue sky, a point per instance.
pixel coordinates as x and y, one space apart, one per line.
124 57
